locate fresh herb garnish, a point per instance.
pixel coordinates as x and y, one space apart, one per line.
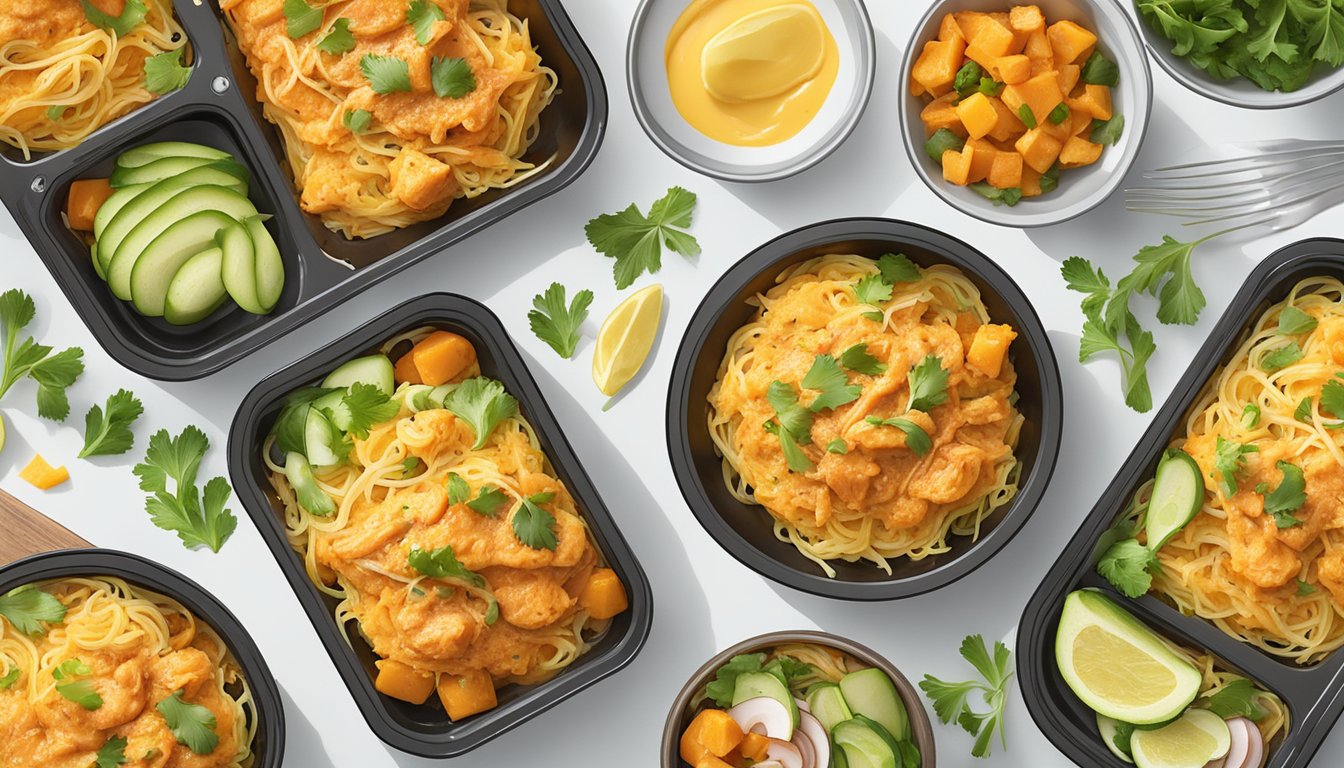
1128 566
1099 70
1281 358
1288 497
301 18
1059 114
192 724
533 525
197 522
357 121
557 324
1332 399
1250 415
990 87
165 72
1236 699
386 74
943 140
132 13
1304 589
785 669
1107 131
451 77
442 563
1293 321
1008 196
1229 459
108 432
483 404
81 692
9 678
967 80
838 445
53 373
1027 117
409 467
339 40
111 754
831 384
421 15
636 241
916 439
950 699
366 406
488 501
27 608
56 112
872 289
1303 410
458 490
897 268
857 359
928 384
794 428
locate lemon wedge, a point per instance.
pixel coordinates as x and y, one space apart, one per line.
626 337
1119 667
1192 741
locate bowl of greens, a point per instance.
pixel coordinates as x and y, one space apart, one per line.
1261 54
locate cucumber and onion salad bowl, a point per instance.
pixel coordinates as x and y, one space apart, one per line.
177 235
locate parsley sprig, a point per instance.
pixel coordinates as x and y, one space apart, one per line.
793 426
192 724
1229 459
339 40
556 323
386 74
28 608
636 241
1288 497
107 432
928 384
111 754
421 15
533 525
483 404
199 521
165 72
451 77
1128 565
53 373
301 18
950 700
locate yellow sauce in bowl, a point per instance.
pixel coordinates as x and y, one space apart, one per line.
750 72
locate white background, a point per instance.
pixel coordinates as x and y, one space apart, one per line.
704 600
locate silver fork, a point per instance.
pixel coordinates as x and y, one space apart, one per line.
1274 184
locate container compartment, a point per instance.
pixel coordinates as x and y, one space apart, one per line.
425 729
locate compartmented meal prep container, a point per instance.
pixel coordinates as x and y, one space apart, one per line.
425 730
921 728
1314 694
218 107
746 532
269 744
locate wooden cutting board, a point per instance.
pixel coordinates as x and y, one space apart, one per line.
24 531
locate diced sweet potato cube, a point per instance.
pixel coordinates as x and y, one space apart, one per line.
405 371
971 21
1026 18
467 695
937 65
989 348
1031 182
1006 171
713 733
916 89
1069 41
982 160
993 38
1041 93
1097 99
1009 126
942 113
950 30
402 681
1068 77
86 196
604 595
1038 48
1061 131
1081 122
1078 152
441 357
977 114
1038 149
1013 69
754 746
957 165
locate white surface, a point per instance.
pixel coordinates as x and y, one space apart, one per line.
704 599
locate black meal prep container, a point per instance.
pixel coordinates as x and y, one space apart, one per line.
746 532
269 745
1314 694
322 269
425 729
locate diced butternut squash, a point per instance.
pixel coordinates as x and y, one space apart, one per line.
949 29
981 161
402 681
1006 170
1013 69
1040 93
442 357
1008 125
754 746
1026 18
942 113
1068 77
405 371
604 594
1031 182
989 348
1019 37
82 203
1061 131
971 22
712 734
1095 101
467 695
1070 42
994 38
957 165
977 114
937 65
1038 49
1082 122
1038 149
1078 152
42 475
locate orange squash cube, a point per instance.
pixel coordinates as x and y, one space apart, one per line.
993 38
467 695
1068 77
949 29
1026 18
1006 170
402 681
1031 182
977 114
1041 93
86 196
1096 101
754 746
442 356
42 475
937 65
971 22
1078 152
957 165
981 160
1038 149
1070 42
712 734
1082 122
1019 38
1061 131
1013 69
1038 49
604 595
1009 126
942 113
405 371
989 348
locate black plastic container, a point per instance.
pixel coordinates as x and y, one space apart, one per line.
746 532
425 729
269 745
1314 694
218 107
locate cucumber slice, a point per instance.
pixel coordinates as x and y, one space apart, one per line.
124 219
167 167
93 257
145 153
167 253
180 206
439 395
113 204
864 746
827 704
1109 729
756 684
1178 495
869 692
319 439
333 403
838 759
196 290
373 369
312 498
270 268
240 268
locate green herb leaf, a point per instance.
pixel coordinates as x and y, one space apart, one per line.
357 121
458 490
1332 398
386 74
720 690
192 724
1099 70
82 693
636 241
1303 410
53 373
967 80
1107 132
9 678
442 563
829 380
132 13
557 324
898 268
1229 459
482 403
28 608
409 467
788 444
1236 699
165 72
872 289
338 41
1250 415
916 439
837 445
488 501
1027 117
1059 114
943 140
367 406
1009 196
111 754
857 359
56 112
950 699
1050 180
1293 321
1128 566
1164 271
421 15
1304 589
107 433
451 78
928 383
1288 497
1281 358
990 87
534 526
792 417
181 511
301 18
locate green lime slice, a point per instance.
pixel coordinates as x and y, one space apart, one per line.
1190 742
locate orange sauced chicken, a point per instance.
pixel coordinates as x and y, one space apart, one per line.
869 415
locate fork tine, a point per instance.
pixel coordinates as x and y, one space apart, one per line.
1251 164
1279 206
1325 147
1279 181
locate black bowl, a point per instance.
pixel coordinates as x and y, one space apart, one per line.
425 729
746 532
269 745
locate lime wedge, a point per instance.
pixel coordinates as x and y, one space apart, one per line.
1178 495
626 337
1190 742
1119 667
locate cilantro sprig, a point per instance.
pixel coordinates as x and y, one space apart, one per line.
132 13
857 359
451 77
111 754
928 383
53 373
1288 497
199 521
28 608
951 700
483 404
488 501
165 72
556 323
785 669
421 15
192 724
831 384
533 525
636 241
1236 699
81 692
386 74
301 18
339 40
107 432
916 439
1229 459
1129 566
442 563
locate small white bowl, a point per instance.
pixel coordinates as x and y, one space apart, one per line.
646 77
1080 189
1238 91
